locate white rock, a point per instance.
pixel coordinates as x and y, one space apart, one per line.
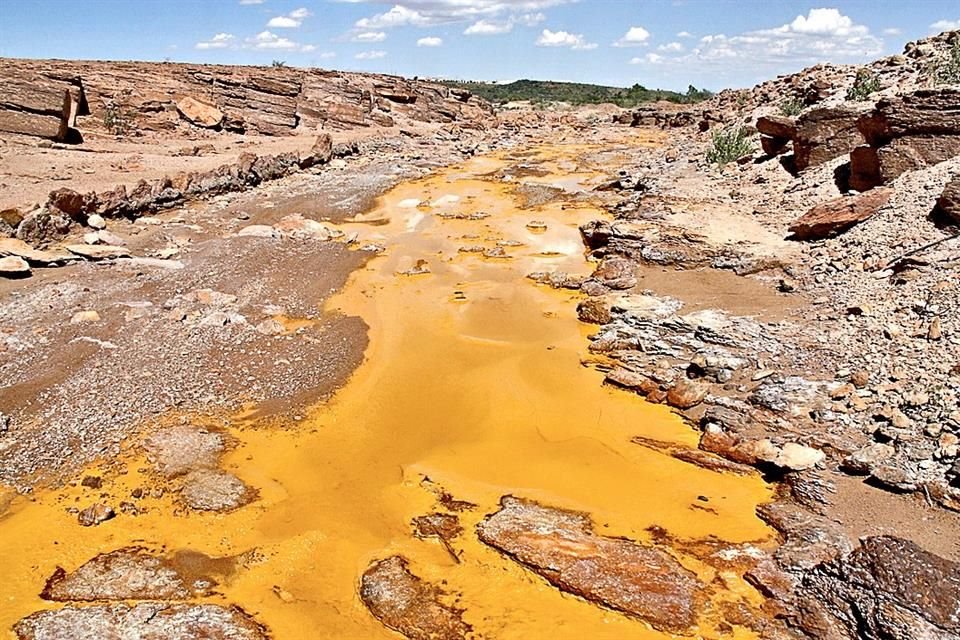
96 221
14 266
259 231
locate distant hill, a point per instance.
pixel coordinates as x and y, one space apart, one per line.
542 91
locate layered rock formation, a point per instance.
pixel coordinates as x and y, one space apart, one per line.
161 97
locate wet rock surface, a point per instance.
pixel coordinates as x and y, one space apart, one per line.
408 605
146 621
562 547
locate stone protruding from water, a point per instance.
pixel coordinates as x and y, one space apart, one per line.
408 605
561 546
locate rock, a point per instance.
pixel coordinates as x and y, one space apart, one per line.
42 102
14 267
594 310
125 574
406 604
562 547
11 217
258 231
835 216
95 514
145 621
200 113
864 460
948 204
180 449
19 248
687 393
96 221
886 588
934 331
214 490
98 252
43 226
774 146
777 126
82 317
797 457
616 273
320 153
70 202
824 134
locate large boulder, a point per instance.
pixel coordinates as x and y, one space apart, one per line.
825 134
886 588
199 113
835 216
561 546
948 203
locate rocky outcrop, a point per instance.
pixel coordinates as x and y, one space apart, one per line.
41 103
562 547
886 588
905 133
149 97
833 217
776 132
403 602
824 134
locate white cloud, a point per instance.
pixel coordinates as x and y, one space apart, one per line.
370 55
308 48
290 21
326 55
672 47
684 34
268 40
633 37
283 22
486 28
892 31
370 36
822 35
651 58
251 1
219 41
945 25
564 39
428 13
430 41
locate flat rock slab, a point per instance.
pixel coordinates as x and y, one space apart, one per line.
98 251
838 215
125 574
408 605
560 545
180 449
214 490
20 249
147 621
14 266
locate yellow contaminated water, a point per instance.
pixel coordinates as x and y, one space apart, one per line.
474 379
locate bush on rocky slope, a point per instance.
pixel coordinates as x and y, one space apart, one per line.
728 145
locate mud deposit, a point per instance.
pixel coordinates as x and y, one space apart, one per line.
473 389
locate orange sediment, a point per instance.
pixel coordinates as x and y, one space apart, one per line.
473 379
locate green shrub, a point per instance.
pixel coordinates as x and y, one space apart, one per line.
118 119
278 63
791 107
728 145
948 71
864 84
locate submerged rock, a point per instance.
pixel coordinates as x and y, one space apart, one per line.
561 546
408 605
125 574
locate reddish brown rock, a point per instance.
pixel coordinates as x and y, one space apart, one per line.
320 152
864 168
824 134
562 547
777 126
687 393
774 146
95 514
594 310
70 202
886 588
403 602
836 216
925 112
948 203
200 113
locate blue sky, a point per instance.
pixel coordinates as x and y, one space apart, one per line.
658 43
